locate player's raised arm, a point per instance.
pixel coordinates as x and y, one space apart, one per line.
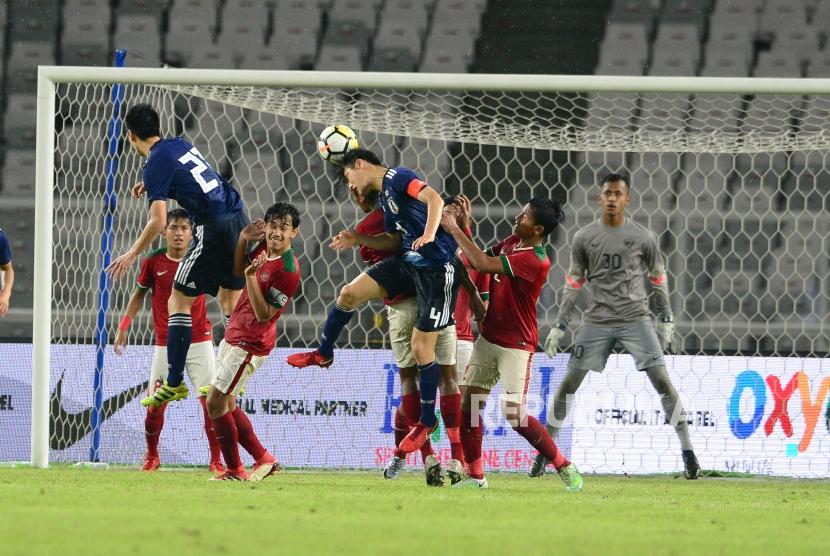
347 239
480 260
435 204
156 222
255 231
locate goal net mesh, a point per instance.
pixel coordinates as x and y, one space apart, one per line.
734 185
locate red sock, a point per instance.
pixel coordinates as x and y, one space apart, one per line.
411 404
471 438
246 434
225 428
400 427
153 423
539 438
213 442
451 413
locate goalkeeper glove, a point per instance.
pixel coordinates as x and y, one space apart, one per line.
665 329
554 337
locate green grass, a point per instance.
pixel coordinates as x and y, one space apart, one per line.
64 511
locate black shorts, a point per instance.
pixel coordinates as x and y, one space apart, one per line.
435 289
208 263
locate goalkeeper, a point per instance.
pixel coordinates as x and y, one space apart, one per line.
612 255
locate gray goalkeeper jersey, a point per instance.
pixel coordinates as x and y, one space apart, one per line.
614 262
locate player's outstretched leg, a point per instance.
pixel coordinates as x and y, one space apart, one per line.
153 423
534 432
558 414
673 408
265 464
225 426
353 295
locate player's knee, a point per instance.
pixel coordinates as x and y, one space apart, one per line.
514 413
348 298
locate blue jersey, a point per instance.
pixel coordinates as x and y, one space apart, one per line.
405 214
5 250
175 169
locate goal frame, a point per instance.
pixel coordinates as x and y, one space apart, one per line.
50 76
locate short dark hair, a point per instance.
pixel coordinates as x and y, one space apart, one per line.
281 211
179 214
546 213
143 120
353 156
616 177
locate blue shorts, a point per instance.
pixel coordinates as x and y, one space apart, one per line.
208 263
435 289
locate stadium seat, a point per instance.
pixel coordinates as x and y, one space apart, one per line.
201 13
639 11
18 176
415 14
732 43
780 15
673 63
304 14
798 44
337 57
212 56
619 64
20 120
140 35
630 35
297 45
238 37
88 32
438 60
819 64
398 35
392 59
265 59
242 17
772 64
725 65
183 37
692 12
24 58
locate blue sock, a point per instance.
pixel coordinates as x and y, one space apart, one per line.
179 334
338 318
428 385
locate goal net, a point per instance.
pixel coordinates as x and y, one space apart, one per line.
733 181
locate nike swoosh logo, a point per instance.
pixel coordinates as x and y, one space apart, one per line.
66 429
161 273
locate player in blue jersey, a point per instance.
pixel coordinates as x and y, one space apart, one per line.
175 169
6 274
425 261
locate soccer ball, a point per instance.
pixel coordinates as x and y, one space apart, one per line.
335 141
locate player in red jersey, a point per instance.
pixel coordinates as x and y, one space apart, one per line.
509 334
272 275
156 276
463 315
401 313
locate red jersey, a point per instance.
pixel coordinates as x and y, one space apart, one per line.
463 314
371 225
157 272
278 281
511 316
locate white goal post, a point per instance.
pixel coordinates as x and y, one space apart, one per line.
687 142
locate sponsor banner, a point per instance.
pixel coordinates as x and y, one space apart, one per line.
763 415
757 415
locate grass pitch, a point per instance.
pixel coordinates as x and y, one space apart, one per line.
65 511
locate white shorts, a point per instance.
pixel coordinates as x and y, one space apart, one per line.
463 352
491 363
199 366
234 367
402 317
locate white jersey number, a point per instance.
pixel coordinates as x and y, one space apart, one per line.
194 156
